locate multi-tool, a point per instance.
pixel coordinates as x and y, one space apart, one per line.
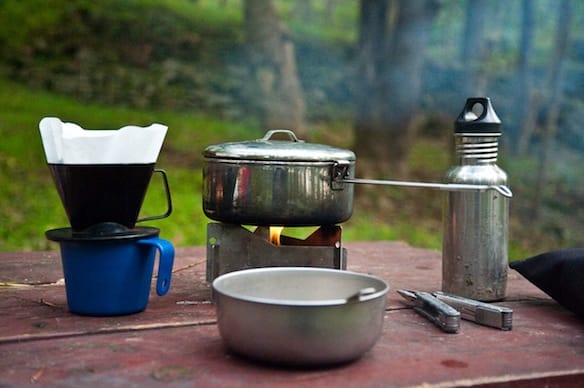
438 312
479 312
445 310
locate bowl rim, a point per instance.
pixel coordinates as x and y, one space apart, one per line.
219 289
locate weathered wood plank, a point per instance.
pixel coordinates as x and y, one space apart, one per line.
176 339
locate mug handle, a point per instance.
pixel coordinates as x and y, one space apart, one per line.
168 199
165 261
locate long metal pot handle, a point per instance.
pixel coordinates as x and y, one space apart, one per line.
340 172
502 189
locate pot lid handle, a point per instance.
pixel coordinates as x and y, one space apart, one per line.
272 132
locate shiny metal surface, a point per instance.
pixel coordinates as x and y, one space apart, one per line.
300 316
274 193
293 183
475 242
232 247
269 148
439 313
276 182
479 312
501 189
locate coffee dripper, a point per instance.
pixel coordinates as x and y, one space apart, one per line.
102 177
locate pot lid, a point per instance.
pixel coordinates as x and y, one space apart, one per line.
102 234
279 150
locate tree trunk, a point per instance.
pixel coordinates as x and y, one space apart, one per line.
275 89
390 75
526 99
474 48
370 62
403 77
554 85
302 10
329 10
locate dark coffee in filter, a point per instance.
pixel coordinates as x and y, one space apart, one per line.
93 194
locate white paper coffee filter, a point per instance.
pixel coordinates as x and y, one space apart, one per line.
68 143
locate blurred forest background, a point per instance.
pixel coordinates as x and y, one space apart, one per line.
385 78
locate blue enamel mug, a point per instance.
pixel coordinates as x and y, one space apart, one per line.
112 275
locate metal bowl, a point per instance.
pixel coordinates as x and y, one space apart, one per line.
300 316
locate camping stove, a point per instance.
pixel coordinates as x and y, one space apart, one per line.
233 247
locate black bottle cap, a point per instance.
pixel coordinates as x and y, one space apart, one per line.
478 116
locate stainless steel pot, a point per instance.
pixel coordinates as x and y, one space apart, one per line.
299 315
276 182
289 182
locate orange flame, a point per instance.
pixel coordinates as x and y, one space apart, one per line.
275 232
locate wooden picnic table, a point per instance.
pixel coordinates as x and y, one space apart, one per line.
176 341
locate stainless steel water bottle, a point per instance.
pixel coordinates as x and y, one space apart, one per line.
476 223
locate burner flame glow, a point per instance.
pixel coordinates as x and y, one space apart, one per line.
275 232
